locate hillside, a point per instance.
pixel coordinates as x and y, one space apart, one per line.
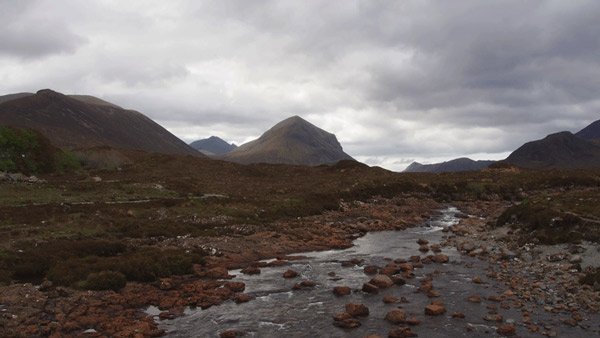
291 141
213 146
10 97
456 165
591 132
84 121
557 151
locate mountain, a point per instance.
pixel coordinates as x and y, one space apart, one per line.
85 121
213 146
557 151
456 165
291 141
10 97
591 132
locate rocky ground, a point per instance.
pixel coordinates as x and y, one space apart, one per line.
33 310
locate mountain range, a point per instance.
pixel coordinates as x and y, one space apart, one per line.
213 146
456 165
291 141
86 121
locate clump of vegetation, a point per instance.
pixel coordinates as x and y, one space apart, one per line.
592 277
543 223
29 152
105 280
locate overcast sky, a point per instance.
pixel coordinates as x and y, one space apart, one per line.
396 81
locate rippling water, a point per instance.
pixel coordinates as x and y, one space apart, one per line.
277 311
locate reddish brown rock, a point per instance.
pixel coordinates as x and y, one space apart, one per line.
412 320
290 274
382 281
424 248
422 241
435 248
231 334
370 288
458 315
398 280
435 309
389 299
304 284
243 298
396 316
218 273
493 318
440 258
370 269
474 299
341 291
251 270
401 332
477 280
506 330
406 267
235 286
357 310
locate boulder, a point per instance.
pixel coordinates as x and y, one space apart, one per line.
381 281
341 291
401 332
370 269
412 320
389 299
370 288
440 258
422 241
357 310
506 330
243 298
290 274
251 270
396 316
435 309
235 286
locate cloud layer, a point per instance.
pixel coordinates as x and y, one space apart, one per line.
396 81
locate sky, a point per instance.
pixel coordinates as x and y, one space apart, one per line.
396 81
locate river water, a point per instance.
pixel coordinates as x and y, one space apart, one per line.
278 311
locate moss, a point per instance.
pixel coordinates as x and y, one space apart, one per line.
105 280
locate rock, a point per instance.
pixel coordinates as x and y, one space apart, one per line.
218 273
435 248
370 288
231 334
382 281
398 280
243 298
357 310
349 323
413 321
458 315
575 259
506 330
424 248
290 274
251 270
304 284
235 286
406 267
401 332
440 258
474 299
477 280
166 315
390 269
493 318
341 291
46 285
415 259
435 309
468 247
422 241
396 316
389 299
370 269
96 179
165 284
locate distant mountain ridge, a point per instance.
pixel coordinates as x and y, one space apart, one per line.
456 165
561 150
291 141
591 132
213 146
86 121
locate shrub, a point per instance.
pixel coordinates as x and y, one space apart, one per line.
105 280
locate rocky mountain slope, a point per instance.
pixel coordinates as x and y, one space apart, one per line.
557 151
213 146
591 132
86 121
291 141
456 165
